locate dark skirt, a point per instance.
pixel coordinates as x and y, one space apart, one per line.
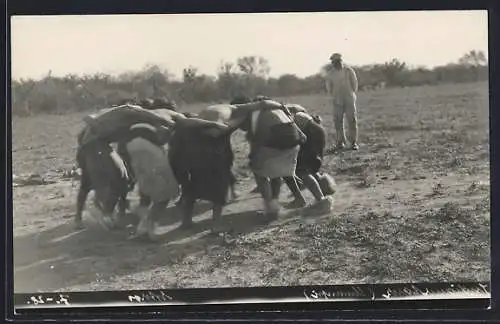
100 173
202 164
310 158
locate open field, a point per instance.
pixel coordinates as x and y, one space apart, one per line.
412 205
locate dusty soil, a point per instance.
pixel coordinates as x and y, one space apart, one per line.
412 205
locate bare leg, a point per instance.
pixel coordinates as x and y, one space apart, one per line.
232 186
187 208
299 181
300 184
256 189
154 214
111 200
143 209
179 201
313 186
275 188
299 200
80 202
265 189
216 215
323 204
270 206
234 194
122 207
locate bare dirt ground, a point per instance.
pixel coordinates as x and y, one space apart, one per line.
412 205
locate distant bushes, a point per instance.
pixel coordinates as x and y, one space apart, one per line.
248 76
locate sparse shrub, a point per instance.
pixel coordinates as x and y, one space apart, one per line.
453 211
473 187
386 163
344 168
392 196
461 137
437 190
483 205
476 187
473 170
457 162
394 128
367 180
249 75
371 215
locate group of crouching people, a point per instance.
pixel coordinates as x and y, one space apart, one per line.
171 155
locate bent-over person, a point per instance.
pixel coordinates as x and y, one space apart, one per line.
274 146
156 181
310 157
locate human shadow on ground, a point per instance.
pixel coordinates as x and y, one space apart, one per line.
56 258
172 214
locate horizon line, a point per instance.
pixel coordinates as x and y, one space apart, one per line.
173 76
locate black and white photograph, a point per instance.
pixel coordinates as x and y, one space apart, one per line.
149 150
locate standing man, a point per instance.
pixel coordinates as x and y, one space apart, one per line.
342 85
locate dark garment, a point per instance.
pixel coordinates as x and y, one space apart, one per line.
274 129
202 164
110 123
310 158
100 173
284 136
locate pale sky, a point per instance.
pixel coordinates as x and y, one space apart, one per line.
297 43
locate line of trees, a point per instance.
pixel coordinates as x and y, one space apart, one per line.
248 75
